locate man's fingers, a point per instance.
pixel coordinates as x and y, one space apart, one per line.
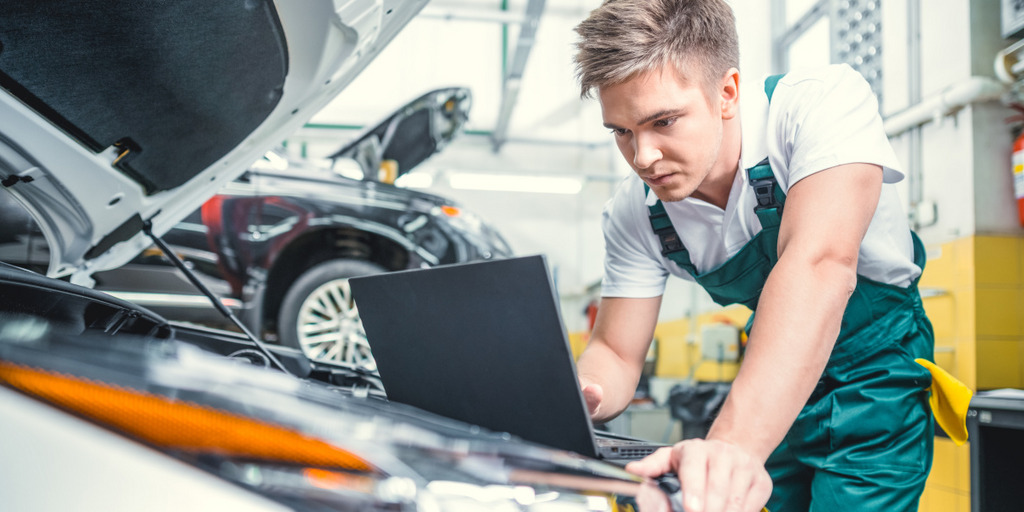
651 498
692 459
713 476
734 497
593 394
760 491
720 472
653 465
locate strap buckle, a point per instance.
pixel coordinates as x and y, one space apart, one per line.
670 241
764 192
662 227
765 187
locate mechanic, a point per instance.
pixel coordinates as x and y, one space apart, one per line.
796 218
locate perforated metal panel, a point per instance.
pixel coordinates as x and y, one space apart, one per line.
1012 18
857 38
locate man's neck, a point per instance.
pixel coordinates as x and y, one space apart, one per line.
718 185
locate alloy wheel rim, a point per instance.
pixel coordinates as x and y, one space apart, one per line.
329 328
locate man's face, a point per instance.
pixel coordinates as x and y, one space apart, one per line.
666 130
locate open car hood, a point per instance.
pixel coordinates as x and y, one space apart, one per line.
117 115
410 135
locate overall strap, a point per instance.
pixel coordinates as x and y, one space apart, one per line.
769 85
770 199
769 195
671 246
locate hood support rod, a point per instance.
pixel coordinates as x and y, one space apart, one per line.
224 310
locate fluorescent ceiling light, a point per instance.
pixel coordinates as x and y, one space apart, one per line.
415 180
515 183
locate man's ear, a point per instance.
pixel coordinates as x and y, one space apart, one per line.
729 93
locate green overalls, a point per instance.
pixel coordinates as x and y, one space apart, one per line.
864 439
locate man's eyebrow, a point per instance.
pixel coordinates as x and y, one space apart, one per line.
657 115
660 114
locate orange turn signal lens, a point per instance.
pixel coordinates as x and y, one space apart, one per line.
175 424
451 211
332 480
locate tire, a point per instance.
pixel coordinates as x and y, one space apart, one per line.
319 318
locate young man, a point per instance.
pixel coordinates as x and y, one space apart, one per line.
796 220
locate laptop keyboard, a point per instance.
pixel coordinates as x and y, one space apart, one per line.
628 449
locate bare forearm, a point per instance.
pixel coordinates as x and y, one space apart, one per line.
599 364
797 322
615 355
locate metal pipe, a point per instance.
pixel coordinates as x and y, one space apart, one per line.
780 54
484 15
973 90
915 142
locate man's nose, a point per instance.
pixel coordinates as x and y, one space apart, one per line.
645 152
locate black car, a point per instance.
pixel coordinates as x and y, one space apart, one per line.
118 119
278 244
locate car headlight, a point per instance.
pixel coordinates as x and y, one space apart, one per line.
300 443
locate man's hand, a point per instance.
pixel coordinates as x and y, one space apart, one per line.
714 476
610 366
593 394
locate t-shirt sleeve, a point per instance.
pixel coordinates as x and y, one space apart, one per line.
823 118
632 268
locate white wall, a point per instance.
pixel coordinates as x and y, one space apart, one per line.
567 228
996 208
433 52
965 157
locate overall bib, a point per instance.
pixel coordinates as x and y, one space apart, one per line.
864 439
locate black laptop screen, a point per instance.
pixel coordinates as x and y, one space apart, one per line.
481 342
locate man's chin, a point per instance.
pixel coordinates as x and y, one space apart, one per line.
670 195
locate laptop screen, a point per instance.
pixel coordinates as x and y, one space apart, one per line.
480 342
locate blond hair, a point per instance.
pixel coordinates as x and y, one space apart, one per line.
622 39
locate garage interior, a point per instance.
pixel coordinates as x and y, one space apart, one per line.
535 162
949 88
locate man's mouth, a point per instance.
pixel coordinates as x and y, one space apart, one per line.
658 180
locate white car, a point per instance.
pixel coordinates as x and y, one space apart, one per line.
117 119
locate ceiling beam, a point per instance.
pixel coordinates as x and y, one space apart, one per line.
514 74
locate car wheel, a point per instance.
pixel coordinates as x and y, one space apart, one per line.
319 317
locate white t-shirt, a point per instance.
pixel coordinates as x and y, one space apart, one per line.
818 118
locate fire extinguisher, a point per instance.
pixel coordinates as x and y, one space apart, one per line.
1018 175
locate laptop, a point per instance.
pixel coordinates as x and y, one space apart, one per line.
484 343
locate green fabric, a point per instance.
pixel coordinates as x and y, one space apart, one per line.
864 439
760 177
737 281
662 226
770 83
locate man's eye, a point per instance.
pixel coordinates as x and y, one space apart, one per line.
618 131
668 121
